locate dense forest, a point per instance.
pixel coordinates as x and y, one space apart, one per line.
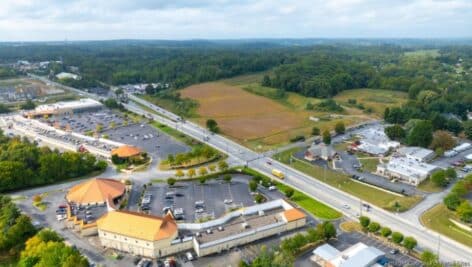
23 164
435 74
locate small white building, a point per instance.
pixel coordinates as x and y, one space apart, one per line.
374 141
417 153
67 75
406 170
462 147
358 255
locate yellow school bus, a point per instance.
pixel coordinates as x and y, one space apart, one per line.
278 174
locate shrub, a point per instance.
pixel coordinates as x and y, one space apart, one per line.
385 231
364 221
289 192
373 227
409 243
397 237
171 181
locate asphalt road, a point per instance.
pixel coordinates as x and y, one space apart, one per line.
450 249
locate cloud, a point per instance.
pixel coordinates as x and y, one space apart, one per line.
31 20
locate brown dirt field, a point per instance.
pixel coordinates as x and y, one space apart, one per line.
240 114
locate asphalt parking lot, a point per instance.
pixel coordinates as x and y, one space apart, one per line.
212 193
346 240
148 138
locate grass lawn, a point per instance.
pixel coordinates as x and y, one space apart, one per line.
369 164
428 186
175 134
311 205
40 206
341 181
350 226
377 99
341 146
437 219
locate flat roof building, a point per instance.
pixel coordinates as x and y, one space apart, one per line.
417 153
66 107
406 170
374 141
153 236
67 75
358 255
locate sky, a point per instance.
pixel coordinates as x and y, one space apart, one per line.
58 20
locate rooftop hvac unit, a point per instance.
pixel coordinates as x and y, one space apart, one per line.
245 225
261 213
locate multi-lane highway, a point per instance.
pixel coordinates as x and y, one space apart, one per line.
447 248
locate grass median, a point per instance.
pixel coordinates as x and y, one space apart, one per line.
381 198
311 205
437 219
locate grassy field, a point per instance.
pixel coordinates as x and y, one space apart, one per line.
423 53
428 186
254 116
369 164
376 99
437 219
341 181
311 205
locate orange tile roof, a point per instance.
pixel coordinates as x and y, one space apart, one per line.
293 215
126 151
138 225
95 190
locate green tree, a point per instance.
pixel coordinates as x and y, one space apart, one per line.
266 81
421 134
191 173
439 178
223 165
373 227
451 173
252 185
364 221
443 140
179 173
227 178
202 171
460 188
339 128
397 237
315 131
258 198
464 211
4 109
326 230
289 192
212 167
452 201
326 137
202 180
409 243
467 128
28 105
395 132
385 231
171 181
429 259
212 125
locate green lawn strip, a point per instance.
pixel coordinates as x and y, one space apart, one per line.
341 181
175 134
428 186
437 219
369 164
311 205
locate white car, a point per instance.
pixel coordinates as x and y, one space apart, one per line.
228 201
199 210
346 206
272 188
